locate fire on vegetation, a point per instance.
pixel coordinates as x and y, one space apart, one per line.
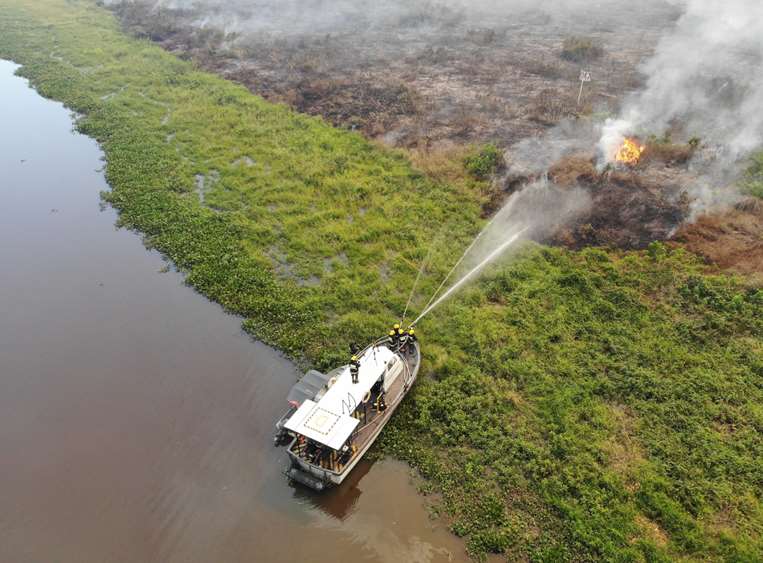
629 152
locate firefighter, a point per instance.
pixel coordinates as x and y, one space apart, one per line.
391 338
394 337
381 404
354 368
409 339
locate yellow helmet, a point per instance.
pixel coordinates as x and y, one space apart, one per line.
354 358
392 333
411 331
396 327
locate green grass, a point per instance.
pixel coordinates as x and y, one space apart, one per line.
754 184
573 406
301 223
587 393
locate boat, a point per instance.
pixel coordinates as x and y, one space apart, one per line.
311 387
334 418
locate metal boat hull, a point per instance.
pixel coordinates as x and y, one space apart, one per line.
318 478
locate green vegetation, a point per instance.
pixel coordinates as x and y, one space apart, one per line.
485 162
574 406
754 184
305 230
580 49
596 405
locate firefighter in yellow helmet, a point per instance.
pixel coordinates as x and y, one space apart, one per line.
401 338
392 339
411 336
407 340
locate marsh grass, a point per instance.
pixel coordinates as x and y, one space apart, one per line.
573 406
581 49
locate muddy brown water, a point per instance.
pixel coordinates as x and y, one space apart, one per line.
135 416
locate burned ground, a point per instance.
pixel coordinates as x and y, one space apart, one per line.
633 206
422 79
630 208
440 80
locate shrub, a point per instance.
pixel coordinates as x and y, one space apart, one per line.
484 163
580 49
664 150
754 184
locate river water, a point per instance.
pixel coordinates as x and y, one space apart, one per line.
136 416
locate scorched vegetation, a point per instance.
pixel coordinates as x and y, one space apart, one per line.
413 74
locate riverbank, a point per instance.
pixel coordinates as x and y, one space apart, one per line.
575 405
136 417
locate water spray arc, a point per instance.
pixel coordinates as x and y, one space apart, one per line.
460 260
423 267
473 272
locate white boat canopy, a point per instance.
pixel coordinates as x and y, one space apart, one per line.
322 426
328 422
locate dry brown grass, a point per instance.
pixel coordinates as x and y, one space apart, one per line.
669 153
624 451
443 164
581 49
573 169
651 531
730 240
551 106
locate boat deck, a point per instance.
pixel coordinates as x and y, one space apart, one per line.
371 422
376 419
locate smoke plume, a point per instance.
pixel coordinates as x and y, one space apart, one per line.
705 76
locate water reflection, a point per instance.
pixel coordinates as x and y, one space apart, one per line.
340 501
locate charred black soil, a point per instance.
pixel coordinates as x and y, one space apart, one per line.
420 78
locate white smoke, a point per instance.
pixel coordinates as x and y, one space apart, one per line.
289 18
707 76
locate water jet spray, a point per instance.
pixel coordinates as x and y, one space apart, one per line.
473 272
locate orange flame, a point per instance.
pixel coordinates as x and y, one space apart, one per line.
630 152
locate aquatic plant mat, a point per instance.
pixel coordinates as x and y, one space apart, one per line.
574 405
